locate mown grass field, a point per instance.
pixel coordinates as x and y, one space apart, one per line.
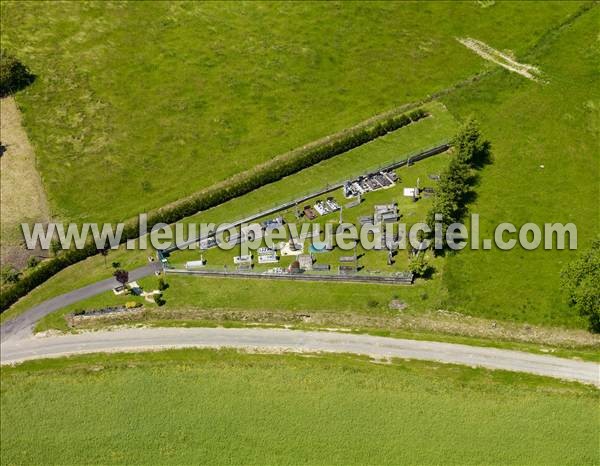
139 104
222 407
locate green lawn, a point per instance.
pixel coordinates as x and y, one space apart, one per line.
531 124
222 407
139 104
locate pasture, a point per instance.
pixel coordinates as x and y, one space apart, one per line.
528 123
223 407
136 105
545 169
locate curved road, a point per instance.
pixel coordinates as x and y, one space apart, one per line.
274 340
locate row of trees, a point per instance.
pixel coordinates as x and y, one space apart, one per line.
455 186
238 186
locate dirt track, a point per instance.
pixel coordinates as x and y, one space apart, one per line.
505 61
22 196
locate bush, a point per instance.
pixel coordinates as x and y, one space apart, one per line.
419 265
372 303
162 284
32 262
158 299
417 114
14 75
9 274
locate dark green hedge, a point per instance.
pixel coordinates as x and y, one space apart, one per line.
212 197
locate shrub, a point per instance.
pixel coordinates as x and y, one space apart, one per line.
417 114
9 274
14 75
158 299
372 303
162 284
419 265
32 262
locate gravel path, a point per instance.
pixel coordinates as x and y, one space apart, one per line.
276 340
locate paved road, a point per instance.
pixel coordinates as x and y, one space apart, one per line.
270 340
22 325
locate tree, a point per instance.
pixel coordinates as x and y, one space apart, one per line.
419 265
122 276
162 284
13 74
455 185
158 299
450 199
104 252
580 281
55 247
470 148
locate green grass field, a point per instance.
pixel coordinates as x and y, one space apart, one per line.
208 407
530 124
139 104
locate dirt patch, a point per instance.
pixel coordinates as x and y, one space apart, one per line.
502 59
443 322
22 196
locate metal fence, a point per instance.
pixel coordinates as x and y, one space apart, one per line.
401 279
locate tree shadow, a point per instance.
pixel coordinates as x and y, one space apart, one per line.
482 156
16 76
